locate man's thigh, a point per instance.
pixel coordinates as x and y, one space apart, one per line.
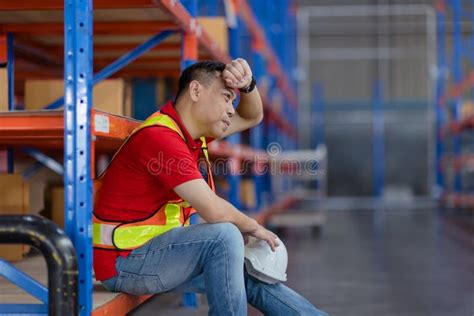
166 261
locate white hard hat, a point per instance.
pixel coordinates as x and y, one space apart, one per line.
264 264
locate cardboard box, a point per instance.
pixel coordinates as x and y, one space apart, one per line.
14 193
3 161
127 103
25 196
57 206
217 29
13 252
3 89
160 91
15 198
109 95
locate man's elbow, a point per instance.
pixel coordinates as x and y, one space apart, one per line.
257 120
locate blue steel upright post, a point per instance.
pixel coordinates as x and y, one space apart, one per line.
293 45
77 145
269 32
234 139
272 129
189 51
457 77
256 133
284 52
440 87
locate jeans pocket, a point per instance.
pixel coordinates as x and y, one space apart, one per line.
138 284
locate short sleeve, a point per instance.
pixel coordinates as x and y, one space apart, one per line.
165 157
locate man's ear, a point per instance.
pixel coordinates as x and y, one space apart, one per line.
195 90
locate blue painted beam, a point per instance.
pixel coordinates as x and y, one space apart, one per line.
120 63
44 160
131 56
24 309
439 109
24 281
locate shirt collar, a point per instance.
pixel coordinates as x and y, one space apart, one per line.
169 110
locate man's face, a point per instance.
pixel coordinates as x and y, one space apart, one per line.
215 108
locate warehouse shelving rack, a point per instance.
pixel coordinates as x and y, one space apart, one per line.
82 131
451 124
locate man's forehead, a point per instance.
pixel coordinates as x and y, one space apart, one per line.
223 86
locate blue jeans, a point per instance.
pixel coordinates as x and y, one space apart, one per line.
204 258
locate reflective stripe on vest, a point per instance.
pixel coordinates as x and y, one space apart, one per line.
131 235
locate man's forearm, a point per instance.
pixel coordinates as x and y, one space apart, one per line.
226 212
250 106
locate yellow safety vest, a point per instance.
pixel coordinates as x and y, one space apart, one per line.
130 235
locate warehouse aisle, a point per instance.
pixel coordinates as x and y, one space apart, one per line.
385 262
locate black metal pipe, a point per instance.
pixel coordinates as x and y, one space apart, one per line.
58 251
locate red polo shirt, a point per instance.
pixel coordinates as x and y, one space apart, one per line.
141 179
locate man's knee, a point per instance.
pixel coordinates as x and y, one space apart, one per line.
229 236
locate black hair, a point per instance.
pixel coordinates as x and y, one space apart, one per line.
204 71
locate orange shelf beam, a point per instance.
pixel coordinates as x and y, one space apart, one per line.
120 305
23 125
190 25
111 126
464 161
145 60
99 47
36 51
147 72
115 47
126 73
45 129
458 200
100 28
59 4
457 127
457 90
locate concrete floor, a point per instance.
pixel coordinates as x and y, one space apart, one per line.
365 262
